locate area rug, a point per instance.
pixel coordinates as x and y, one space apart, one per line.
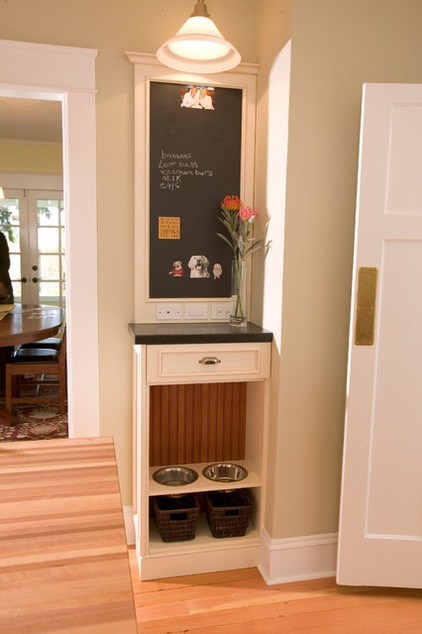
35 422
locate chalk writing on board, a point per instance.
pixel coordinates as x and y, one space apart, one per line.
175 167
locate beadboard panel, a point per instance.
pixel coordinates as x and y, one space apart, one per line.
197 423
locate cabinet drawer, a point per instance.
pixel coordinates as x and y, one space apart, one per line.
211 362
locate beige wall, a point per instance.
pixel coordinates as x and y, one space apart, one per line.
33 158
271 156
113 28
336 45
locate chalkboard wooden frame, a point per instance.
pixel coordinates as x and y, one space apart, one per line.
148 74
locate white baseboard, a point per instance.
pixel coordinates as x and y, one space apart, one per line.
129 524
297 558
281 560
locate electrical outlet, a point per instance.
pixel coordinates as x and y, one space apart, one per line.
220 311
169 311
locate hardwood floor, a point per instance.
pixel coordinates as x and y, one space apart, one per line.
239 602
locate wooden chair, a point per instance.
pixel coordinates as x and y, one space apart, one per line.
46 367
50 342
53 343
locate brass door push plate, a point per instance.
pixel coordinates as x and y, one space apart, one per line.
365 307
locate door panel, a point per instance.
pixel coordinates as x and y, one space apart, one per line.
395 465
380 536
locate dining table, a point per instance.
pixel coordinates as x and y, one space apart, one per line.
27 323
24 323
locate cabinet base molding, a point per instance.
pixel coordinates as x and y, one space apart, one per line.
278 560
176 565
297 558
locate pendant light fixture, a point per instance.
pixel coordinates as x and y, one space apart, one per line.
199 46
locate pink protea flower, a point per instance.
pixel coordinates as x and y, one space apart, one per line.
248 214
232 203
238 220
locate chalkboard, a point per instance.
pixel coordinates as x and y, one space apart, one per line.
195 159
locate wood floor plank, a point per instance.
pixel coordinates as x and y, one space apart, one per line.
239 602
64 565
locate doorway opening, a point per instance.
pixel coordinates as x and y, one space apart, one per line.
33 223
67 75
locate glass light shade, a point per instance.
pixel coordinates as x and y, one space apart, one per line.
2 196
199 47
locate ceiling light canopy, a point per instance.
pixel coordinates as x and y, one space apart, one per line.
199 46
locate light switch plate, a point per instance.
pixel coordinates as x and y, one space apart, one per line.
196 312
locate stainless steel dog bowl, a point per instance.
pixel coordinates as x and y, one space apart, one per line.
225 472
175 476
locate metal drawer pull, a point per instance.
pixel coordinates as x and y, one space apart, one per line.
209 361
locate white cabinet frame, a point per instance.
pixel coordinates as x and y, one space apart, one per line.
205 553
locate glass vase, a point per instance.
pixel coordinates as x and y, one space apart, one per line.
239 295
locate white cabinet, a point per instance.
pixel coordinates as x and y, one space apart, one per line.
181 392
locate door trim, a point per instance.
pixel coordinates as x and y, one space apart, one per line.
67 74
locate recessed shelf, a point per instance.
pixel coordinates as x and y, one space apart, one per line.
252 480
203 540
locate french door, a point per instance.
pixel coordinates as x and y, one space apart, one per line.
33 222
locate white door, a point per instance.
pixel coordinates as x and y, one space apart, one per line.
380 535
33 222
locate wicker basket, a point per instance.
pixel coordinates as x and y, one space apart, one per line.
228 512
176 516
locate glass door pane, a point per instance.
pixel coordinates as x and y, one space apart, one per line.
48 279
10 213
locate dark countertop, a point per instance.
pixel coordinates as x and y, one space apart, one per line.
159 334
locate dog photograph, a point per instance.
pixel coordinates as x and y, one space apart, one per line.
217 270
177 269
198 265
